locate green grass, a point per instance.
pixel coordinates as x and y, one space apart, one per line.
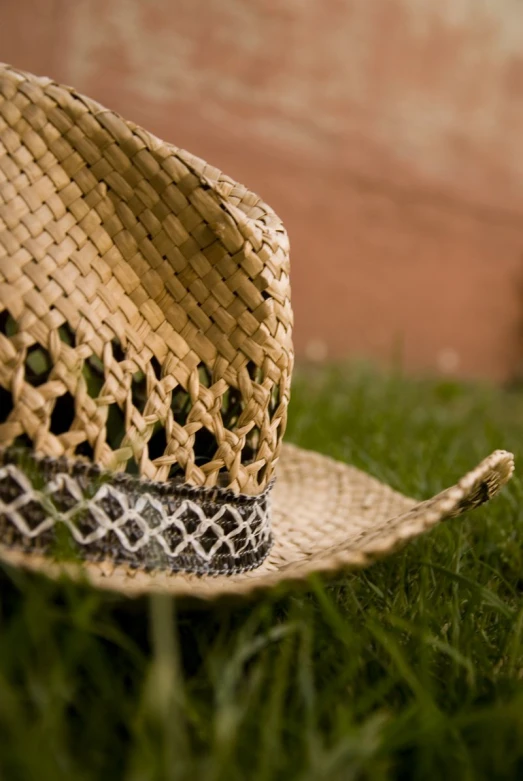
412 669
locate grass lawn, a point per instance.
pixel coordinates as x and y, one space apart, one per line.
410 669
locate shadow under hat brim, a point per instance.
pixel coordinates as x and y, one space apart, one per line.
327 516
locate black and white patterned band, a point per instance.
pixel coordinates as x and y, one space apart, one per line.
66 508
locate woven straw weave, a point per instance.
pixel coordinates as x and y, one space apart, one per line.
145 320
145 329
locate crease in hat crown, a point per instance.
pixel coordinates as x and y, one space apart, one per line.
144 299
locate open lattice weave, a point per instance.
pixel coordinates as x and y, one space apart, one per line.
145 320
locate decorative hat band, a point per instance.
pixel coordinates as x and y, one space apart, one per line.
152 526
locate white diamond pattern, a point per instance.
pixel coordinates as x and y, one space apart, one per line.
247 529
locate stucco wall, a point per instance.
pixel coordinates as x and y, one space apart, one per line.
387 133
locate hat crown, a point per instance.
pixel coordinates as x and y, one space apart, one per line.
145 318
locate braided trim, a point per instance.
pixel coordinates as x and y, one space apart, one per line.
146 525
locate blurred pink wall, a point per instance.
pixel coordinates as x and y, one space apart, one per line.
388 134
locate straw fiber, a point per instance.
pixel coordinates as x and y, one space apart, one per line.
142 292
145 365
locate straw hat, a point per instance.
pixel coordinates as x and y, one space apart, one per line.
145 366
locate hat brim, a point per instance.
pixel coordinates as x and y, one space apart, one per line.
326 516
